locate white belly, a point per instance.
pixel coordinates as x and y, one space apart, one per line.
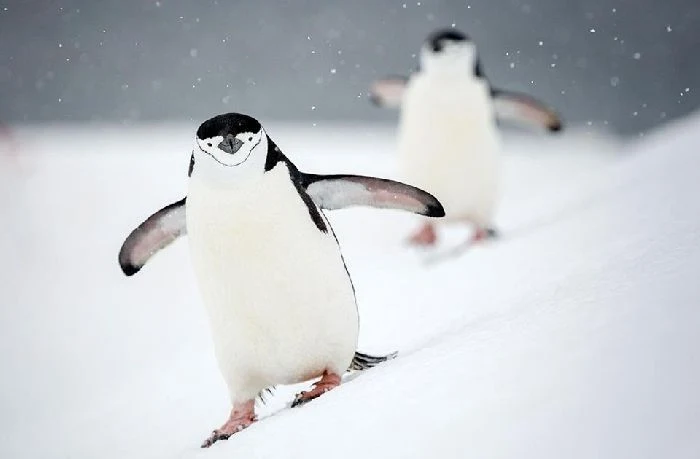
280 302
449 145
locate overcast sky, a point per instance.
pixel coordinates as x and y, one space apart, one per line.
628 65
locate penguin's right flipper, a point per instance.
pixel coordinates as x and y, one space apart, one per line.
151 236
523 109
361 362
340 191
387 92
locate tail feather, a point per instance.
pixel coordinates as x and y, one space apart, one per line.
361 362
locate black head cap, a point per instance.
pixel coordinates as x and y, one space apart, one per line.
439 38
229 123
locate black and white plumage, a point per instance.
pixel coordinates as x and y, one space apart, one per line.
279 298
448 140
509 106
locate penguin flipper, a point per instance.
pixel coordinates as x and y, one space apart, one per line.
523 109
388 91
340 191
151 236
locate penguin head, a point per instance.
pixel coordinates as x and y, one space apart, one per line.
231 142
448 50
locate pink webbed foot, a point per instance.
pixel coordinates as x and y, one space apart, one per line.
242 415
483 234
425 236
327 382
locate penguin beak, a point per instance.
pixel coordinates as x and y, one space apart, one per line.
230 144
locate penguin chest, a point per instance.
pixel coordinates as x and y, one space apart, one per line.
280 302
448 144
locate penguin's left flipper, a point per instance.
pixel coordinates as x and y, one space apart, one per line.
340 191
523 109
388 91
157 232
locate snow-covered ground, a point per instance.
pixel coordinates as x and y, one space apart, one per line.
575 335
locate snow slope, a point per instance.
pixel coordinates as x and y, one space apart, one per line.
575 335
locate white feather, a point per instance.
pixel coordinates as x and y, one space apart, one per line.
448 142
280 302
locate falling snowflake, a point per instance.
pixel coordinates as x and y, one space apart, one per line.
592 30
333 71
637 56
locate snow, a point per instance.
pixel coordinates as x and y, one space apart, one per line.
575 335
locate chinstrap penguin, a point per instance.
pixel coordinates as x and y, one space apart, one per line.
448 141
280 302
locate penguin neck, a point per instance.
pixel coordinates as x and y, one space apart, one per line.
450 70
208 171
462 64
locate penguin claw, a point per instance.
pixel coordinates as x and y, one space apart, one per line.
327 382
221 434
305 397
299 401
242 416
213 438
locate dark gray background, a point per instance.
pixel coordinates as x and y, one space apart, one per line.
628 64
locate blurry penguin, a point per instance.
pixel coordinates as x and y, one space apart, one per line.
448 141
279 298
